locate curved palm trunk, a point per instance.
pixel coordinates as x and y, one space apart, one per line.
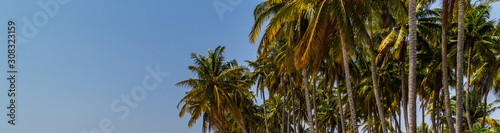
308 101
339 102
467 98
444 65
350 96
412 88
265 111
375 86
460 69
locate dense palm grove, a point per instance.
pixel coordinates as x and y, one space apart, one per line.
354 65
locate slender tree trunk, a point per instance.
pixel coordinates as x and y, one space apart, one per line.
460 63
293 105
369 118
442 126
283 123
308 100
339 102
237 114
350 96
315 120
404 90
399 122
423 116
484 109
440 113
265 111
435 110
412 88
299 116
444 64
398 126
467 86
375 86
288 116
338 127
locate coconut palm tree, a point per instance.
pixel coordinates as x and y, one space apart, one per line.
479 39
480 43
261 68
216 92
293 11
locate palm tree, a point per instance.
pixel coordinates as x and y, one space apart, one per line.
374 80
395 23
279 12
259 74
216 92
480 44
292 11
479 40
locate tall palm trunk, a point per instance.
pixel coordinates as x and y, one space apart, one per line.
404 90
398 127
484 109
460 68
467 98
293 105
444 64
369 118
399 121
375 86
308 101
439 114
338 125
339 102
435 110
350 96
283 123
265 111
287 116
315 120
412 88
299 116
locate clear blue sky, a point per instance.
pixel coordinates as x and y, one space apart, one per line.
93 51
